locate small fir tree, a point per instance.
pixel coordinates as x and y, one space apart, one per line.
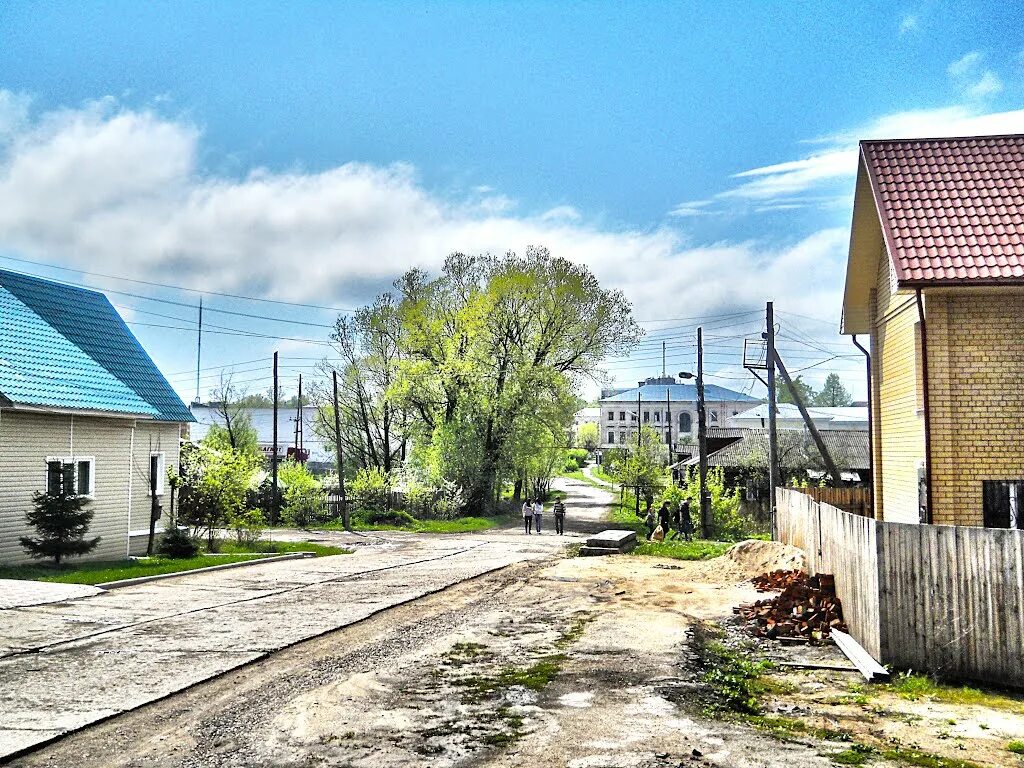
62 520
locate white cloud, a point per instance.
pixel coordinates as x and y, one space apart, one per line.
972 78
835 160
909 23
120 191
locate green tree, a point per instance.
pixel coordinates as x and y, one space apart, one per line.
235 432
215 482
642 466
833 394
588 436
488 343
303 495
805 390
61 519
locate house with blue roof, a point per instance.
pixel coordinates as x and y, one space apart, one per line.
78 391
668 407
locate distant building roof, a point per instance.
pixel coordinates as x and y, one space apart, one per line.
66 347
848 447
788 415
655 393
951 209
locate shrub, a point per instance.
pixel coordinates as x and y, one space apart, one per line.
303 497
579 455
248 525
177 543
571 466
371 488
386 517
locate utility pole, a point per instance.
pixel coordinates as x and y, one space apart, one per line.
668 418
273 455
702 440
298 422
337 446
154 506
199 347
638 422
663 360
773 440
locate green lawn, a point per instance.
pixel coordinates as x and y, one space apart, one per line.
681 550
458 525
283 547
101 571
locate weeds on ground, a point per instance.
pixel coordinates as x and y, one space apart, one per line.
283 547
1015 746
912 686
678 549
731 675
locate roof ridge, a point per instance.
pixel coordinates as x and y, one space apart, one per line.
971 137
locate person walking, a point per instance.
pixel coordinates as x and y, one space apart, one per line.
650 522
538 513
686 522
528 515
559 510
665 518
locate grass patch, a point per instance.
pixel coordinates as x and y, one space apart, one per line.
681 550
576 474
282 548
1015 746
916 757
102 571
858 754
732 675
574 631
913 686
360 522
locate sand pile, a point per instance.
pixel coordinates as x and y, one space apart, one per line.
754 557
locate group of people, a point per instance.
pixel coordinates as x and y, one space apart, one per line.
533 514
669 523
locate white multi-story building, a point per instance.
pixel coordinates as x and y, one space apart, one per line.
668 407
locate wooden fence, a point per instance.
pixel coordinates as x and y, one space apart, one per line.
853 499
948 600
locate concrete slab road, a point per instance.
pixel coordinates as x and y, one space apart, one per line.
66 665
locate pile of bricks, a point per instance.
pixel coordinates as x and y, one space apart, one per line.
806 606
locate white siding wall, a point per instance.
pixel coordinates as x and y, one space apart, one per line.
150 437
26 439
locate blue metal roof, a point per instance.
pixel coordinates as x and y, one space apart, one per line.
655 393
66 347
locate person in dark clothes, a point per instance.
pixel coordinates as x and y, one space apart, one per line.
559 510
685 521
665 518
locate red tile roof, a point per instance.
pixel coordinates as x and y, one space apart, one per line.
952 210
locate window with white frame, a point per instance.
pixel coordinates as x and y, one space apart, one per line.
157 471
76 474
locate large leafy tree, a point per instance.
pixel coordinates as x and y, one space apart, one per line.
588 436
833 394
235 432
374 425
488 343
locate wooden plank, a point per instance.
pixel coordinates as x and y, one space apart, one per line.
873 671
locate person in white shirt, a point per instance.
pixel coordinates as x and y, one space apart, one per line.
538 512
528 516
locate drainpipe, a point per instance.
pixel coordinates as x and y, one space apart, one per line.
871 421
927 411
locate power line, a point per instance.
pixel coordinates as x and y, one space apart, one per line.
171 286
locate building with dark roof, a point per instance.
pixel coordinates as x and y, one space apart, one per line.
78 391
668 407
935 277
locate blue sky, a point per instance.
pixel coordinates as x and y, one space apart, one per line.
698 156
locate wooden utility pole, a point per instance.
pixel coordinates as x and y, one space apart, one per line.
298 423
773 437
337 446
702 441
154 506
273 455
638 422
830 465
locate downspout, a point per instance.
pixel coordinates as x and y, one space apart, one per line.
871 421
927 411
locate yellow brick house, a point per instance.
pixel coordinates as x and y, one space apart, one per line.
935 277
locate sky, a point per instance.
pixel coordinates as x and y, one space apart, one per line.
700 157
